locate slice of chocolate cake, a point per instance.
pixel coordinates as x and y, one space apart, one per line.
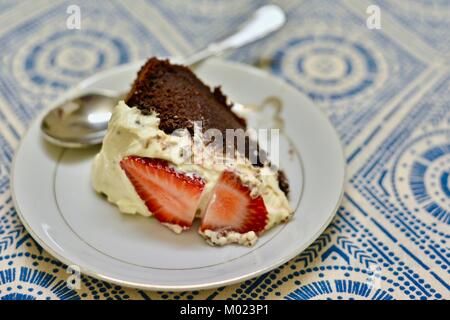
140 167
180 98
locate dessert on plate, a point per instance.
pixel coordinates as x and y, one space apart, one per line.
167 154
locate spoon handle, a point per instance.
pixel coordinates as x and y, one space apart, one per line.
264 21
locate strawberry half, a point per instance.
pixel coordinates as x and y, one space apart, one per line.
171 196
231 208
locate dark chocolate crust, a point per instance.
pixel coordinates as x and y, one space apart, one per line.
283 182
180 98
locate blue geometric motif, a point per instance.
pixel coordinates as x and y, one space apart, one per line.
327 52
354 289
327 68
78 58
58 58
31 283
427 19
415 204
427 175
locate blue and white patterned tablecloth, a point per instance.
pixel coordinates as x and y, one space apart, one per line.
386 90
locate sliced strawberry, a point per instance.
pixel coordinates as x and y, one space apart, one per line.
232 208
171 196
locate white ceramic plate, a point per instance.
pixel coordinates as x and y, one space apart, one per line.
54 198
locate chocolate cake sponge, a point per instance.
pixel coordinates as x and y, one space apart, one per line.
180 98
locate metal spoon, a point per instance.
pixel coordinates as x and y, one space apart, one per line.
83 121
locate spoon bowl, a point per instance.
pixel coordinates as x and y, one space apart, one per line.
80 122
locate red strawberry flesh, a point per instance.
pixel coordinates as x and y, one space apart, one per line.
172 197
231 208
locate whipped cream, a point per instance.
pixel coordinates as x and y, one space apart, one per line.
132 133
217 238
